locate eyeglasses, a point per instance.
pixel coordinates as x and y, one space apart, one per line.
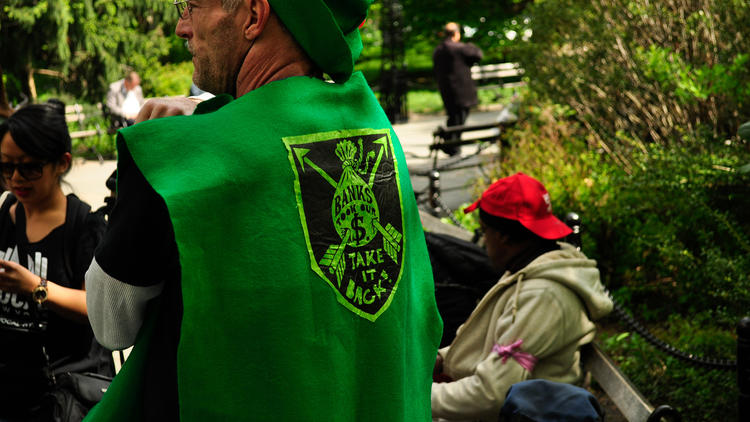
29 171
181 6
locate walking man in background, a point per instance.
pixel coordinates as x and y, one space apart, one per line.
265 254
452 61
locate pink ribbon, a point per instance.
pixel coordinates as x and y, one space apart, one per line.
526 360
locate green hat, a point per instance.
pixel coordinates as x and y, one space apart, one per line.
328 30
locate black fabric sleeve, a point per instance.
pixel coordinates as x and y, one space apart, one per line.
472 53
138 247
91 236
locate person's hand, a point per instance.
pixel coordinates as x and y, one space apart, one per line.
168 106
438 368
15 278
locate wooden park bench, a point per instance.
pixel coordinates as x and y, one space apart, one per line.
629 401
506 75
74 114
77 119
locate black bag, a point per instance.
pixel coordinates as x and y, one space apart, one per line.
75 394
78 386
462 274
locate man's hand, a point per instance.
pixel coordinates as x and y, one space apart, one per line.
168 106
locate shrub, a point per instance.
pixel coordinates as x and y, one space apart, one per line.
698 394
672 230
675 231
168 80
640 72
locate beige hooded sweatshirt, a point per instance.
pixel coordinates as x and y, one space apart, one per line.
549 305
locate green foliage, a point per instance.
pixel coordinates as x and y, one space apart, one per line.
639 72
424 101
468 222
698 394
168 80
88 42
673 230
489 21
744 131
103 144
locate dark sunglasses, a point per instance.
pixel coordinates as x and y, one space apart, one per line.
29 171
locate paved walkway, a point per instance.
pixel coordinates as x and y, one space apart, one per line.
87 177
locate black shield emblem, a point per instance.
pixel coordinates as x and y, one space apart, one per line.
349 202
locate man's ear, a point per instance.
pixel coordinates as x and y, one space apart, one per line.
257 19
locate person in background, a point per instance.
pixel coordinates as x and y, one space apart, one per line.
47 241
532 323
452 61
265 255
124 100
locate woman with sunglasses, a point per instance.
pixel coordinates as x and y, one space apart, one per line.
47 241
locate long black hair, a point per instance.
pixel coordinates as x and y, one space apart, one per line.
40 130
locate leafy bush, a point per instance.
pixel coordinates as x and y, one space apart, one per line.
675 231
698 394
639 71
168 80
672 230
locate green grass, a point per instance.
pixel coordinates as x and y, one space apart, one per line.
424 102
429 101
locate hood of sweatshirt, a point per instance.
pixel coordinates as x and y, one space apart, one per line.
574 270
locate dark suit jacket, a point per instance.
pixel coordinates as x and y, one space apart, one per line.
452 64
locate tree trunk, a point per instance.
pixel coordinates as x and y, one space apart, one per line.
5 110
31 83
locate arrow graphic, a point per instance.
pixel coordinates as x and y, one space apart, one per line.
301 153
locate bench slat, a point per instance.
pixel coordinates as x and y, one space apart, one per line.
631 403
497 74
83 133
497 71
73 108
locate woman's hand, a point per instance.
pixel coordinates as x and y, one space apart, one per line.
67 302
15 278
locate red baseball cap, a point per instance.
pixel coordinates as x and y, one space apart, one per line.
524 199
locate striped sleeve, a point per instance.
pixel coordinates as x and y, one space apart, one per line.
134 260
116 309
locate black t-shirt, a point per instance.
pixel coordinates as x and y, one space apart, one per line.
63 340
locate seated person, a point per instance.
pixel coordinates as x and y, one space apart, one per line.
531 323
124 100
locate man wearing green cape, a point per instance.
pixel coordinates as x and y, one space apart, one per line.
265 255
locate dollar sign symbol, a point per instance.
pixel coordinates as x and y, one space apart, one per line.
359 231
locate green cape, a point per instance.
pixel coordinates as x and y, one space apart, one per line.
270 330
